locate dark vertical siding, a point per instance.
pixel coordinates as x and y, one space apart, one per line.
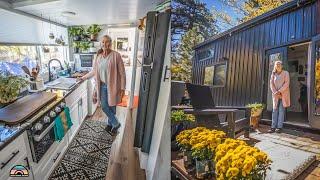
318 15
245 53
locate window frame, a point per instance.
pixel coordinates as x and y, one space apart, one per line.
222 61
38 49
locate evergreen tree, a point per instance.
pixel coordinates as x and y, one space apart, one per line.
182 62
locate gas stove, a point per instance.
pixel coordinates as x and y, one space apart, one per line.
41 132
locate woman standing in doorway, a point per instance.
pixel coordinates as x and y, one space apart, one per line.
109 73
279 84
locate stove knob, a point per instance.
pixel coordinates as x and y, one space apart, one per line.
52 114
46 119
38 126
62 104
57 109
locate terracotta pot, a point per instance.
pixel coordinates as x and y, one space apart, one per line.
93 37
254 122
256 113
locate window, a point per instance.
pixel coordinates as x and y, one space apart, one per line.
13 57
215 75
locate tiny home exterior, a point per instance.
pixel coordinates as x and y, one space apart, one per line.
237 63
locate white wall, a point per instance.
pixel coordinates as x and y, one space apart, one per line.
16 28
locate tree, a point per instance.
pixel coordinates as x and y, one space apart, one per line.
181 63
249 9
189 13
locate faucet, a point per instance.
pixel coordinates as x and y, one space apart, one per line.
50 68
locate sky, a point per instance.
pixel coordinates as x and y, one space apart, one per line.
219 6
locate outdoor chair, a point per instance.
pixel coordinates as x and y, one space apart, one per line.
234 120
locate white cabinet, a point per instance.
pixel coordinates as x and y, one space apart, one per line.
77 102
14 154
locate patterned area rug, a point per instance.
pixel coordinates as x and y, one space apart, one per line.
88 155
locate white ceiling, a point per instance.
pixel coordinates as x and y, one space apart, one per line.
88 11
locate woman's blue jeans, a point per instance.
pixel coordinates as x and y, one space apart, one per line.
110 111
278 115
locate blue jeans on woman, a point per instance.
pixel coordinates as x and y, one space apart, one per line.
278 116
110 111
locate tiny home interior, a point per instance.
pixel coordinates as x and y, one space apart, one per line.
44 33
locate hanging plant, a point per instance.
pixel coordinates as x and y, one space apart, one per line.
93 30
76 46
84 46
76 32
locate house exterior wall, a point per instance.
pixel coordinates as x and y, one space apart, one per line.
245 51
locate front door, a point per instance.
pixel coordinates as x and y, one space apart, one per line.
277 54
314 90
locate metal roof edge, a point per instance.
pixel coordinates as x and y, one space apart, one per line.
258 20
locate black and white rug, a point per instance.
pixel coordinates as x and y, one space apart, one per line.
88 155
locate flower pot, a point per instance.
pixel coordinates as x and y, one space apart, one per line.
204 169
256 113
254 122
93 37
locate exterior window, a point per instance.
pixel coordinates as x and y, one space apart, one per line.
13 57
215 75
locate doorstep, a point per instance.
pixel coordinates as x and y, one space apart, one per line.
291 125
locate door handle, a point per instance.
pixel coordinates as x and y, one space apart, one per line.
55 159
27 161
3 164
165 74
144 82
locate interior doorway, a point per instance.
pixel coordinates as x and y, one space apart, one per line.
297 67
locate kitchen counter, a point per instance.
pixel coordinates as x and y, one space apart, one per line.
10 133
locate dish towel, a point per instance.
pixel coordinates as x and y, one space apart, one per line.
62 124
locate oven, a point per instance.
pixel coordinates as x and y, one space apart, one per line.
41 133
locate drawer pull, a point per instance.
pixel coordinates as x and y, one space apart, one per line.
12 156
27 161
58 154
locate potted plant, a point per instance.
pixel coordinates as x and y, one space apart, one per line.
10 86
84 46
67 65
76 32
204 146
76 46
237 160
179 122
256 111
93 30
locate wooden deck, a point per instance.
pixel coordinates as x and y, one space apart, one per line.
124 162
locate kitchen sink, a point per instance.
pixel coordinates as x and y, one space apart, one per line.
62 83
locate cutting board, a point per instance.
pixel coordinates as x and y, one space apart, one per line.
23 108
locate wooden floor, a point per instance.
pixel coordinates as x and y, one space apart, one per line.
124 162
